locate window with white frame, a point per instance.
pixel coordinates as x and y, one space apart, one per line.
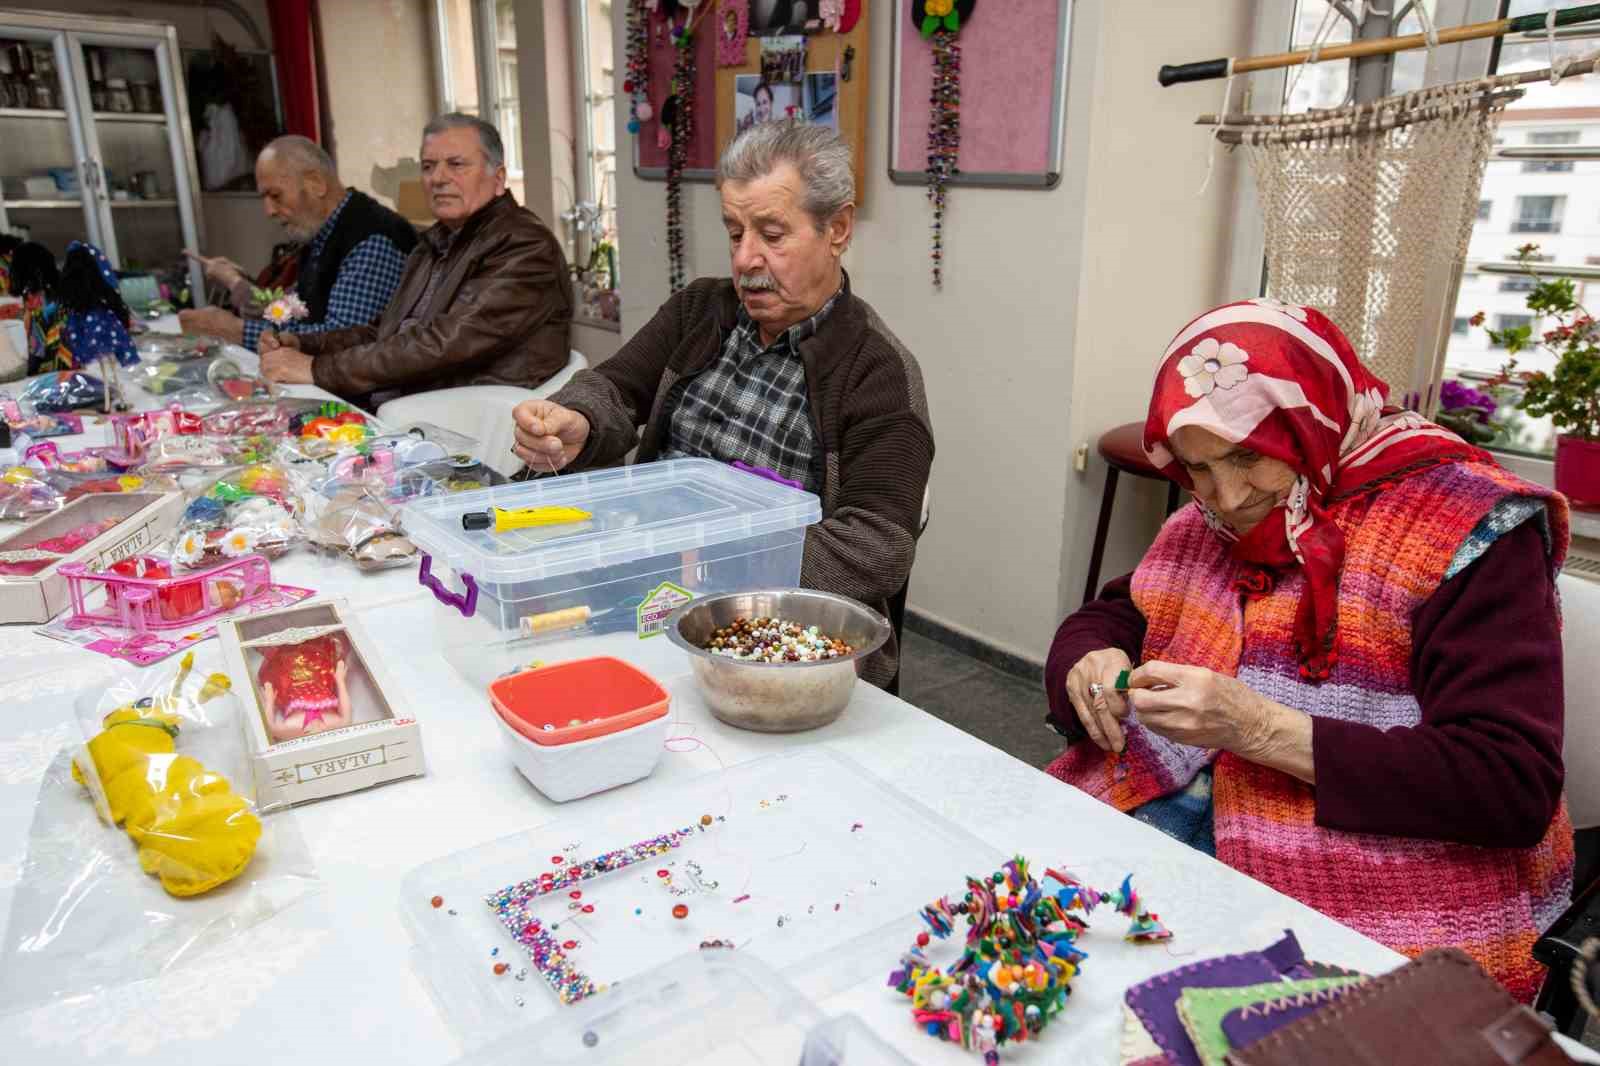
475 67
594 215
1550 138
1554 204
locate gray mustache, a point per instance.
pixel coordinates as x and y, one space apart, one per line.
757 282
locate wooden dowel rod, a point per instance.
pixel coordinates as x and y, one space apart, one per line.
1219 68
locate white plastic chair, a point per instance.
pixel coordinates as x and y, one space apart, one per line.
1580 621
482 412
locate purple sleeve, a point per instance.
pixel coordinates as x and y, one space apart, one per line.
1112 621
1484 765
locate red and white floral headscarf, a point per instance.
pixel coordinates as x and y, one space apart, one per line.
1284 382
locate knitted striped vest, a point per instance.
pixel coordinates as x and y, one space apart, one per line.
1400 544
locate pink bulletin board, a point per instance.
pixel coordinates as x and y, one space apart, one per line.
650 160
1013 95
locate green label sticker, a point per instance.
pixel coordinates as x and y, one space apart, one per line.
662 601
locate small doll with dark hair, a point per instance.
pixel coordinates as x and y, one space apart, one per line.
97 318
34 277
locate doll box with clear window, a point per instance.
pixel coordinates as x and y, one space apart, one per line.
324 715
95 530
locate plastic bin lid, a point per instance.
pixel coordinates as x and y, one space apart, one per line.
711 1006
637 512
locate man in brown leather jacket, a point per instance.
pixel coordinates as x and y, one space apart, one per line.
485 300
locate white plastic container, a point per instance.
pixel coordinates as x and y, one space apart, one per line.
585 767
660 534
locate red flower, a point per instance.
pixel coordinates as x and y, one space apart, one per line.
1477 319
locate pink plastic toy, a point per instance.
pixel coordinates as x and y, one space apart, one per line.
143 597
134 432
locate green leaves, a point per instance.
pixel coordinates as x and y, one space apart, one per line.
1569 395
929 24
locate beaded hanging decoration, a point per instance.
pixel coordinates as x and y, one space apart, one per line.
677 115
636 82
939 21
1016 971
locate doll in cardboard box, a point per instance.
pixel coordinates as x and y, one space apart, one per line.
303 687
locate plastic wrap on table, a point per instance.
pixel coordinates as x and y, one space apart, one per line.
47 456
41 424
26 494
71 484
190 451
146 848
359 523
233 383
62 390
174 347
252 509
248 418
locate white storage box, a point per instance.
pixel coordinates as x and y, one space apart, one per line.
373 740
142 519
659 535
581 727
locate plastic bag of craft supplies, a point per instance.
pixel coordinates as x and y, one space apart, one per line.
146 849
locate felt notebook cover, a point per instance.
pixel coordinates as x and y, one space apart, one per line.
1204 1010
1441 1009
1244 1025
1155 1002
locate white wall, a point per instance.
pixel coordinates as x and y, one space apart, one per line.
1055 308
378 62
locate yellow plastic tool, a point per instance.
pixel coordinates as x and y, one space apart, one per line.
502 520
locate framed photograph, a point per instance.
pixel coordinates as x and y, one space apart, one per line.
772 18
756 100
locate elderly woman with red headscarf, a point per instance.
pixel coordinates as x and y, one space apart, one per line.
1348 679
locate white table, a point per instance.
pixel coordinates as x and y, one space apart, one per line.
328 980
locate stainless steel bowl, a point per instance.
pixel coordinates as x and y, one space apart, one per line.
777 697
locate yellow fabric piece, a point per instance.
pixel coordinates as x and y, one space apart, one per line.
193 831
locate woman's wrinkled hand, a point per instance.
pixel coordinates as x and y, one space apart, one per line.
1196 706
1100 714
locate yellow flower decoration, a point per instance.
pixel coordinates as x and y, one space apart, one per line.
939 8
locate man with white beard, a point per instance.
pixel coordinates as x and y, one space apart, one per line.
780 366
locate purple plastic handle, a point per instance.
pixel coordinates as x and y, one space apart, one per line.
770 475
465 604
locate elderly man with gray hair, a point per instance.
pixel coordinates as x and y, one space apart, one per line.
780 366
485 300
353 248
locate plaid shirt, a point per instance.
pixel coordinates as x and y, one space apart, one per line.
751 404
367 278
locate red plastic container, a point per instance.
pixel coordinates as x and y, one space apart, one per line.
604 696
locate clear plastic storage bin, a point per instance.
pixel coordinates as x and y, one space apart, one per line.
658 535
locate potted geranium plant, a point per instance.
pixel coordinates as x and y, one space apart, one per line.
1570 393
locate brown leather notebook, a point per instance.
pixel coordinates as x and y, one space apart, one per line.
1440 1009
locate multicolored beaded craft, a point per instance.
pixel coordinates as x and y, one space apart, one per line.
1016 970
551 957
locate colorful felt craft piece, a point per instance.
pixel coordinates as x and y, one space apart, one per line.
1016 970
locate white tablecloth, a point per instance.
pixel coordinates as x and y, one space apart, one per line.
328 980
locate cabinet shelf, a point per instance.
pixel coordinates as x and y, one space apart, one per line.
35 205
118 116
30 112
